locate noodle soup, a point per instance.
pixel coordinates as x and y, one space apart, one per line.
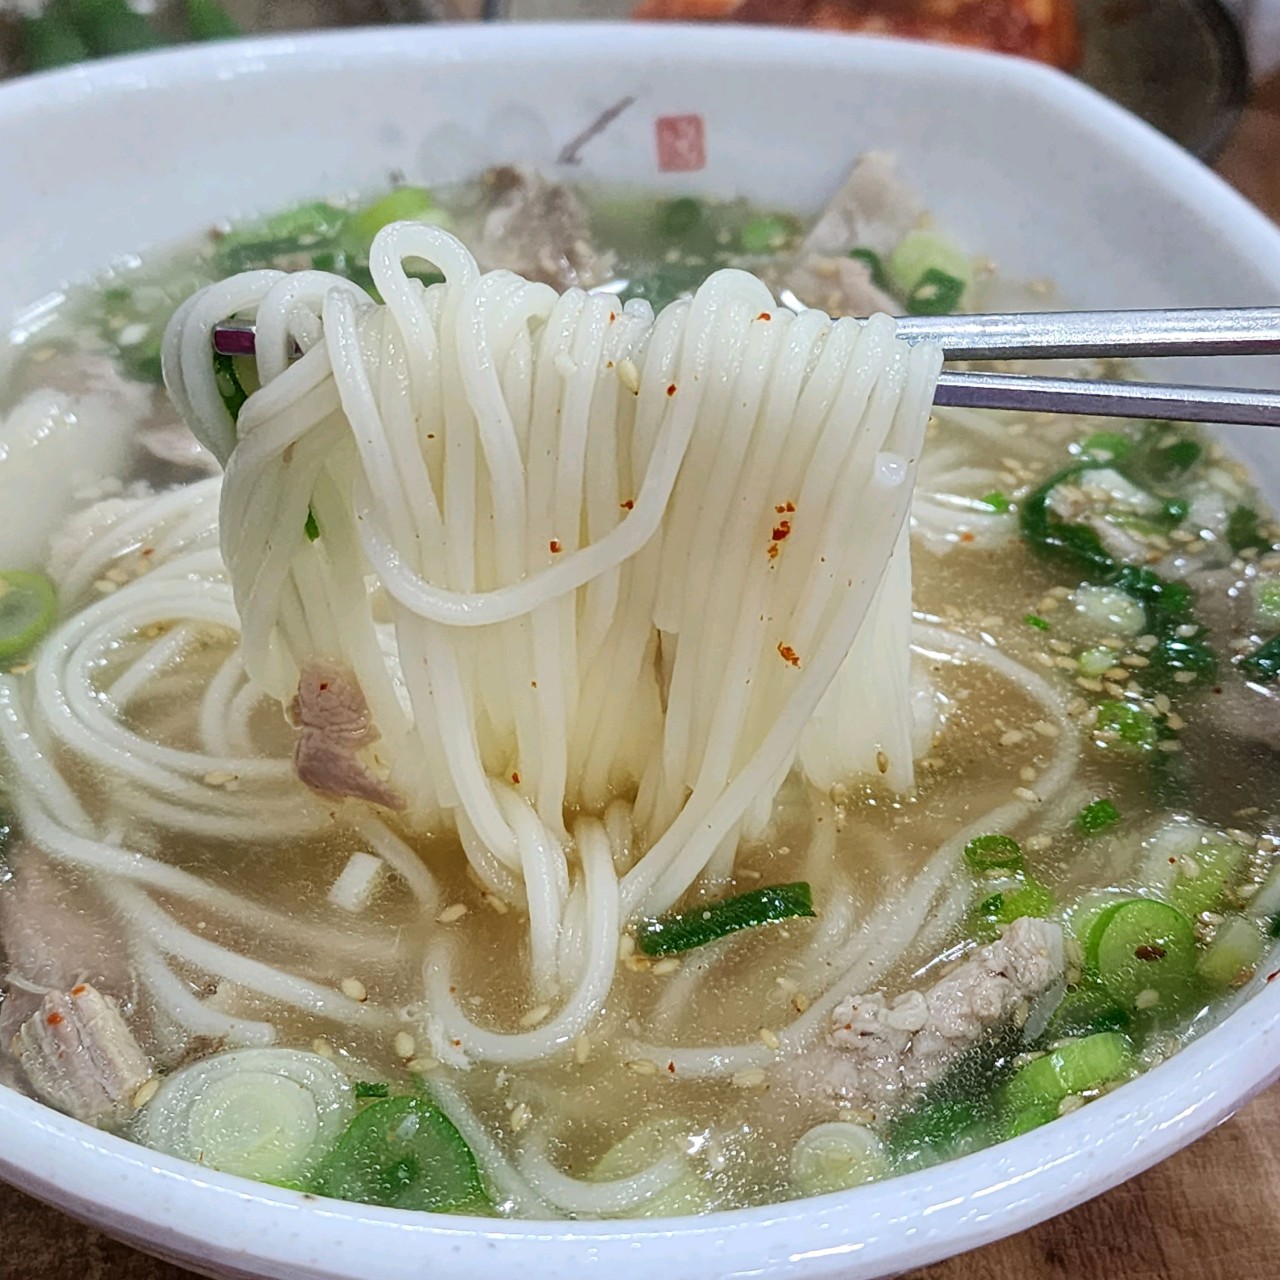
852 806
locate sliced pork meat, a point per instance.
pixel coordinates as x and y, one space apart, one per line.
539 230
333 716
873 210
53 934
839 286
80 1056
889 1049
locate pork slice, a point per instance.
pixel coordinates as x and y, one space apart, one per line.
839 286
334 722
54 933
80 1056
888 1049
873 210
540 230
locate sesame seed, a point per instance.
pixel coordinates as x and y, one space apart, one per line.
1027 773
494 903
535 1015
1038 844
420 1066
1186 630
403 1045
354 989
1011 738
626 947
1135 660
751 1079
1161 703
1116 673
1059 646
582 1049
1026 794
1169 745
800 1002
1147 999
452 913
520 1116
1085 682
770 1038
1046 729
1184 677
642 1067
1144 644
321 1046
668 964
1175 721
145 1092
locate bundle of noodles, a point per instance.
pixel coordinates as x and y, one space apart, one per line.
552 551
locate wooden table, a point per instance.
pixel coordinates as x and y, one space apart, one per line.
1212 1212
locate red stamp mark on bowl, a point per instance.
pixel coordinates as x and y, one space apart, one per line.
682 143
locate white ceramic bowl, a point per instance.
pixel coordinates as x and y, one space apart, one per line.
1024 164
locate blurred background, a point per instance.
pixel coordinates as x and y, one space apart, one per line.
1190 67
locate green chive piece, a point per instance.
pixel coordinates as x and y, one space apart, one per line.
696 927
1035 620
372 1089
1135 731
312 527
1107 446
1097 816
1263 665
994 852
874 264
996 501
1244 530
767 233
936 294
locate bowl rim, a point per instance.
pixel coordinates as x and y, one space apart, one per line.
905 1222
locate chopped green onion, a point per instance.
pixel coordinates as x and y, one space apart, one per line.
767 233
1133 729
996 501
1144 952
922 253
1035 620
1070 1069
1023 896
1097 816
49 41
836 1156
1175 511
935 1131
372 1089
228 382
311 528
406 1154
404 204
994 852
307 229
1263 665
1234 954
1085 1011
28 608
678 218
1266 600
1050 535
1109 611
1107 446
1244 529
1273 926
642 1148
1168 460
108 26
936 294
262 1113
700 925
874 264
208 20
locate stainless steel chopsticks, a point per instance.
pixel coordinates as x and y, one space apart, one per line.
1053 335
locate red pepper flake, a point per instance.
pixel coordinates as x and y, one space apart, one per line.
1271 977
764 315
431 435
148 551
80 990
671 390
515 777
671 1066
772 553
791 506
608 364
626 506
1149 951
554 544
613 315
54 1019
788 654
781 530
533 684
324 686
966 536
